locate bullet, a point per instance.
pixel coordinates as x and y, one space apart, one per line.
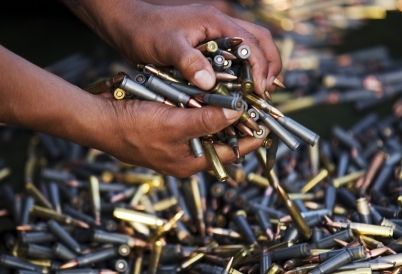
16 263
242 53
120 94
253 114
299 130
50 214
96 256
244 229
225 76
338 182
134 216
228 42
103 237
363 209
158 73
160 87
142 92
63 236
38 196
377 264
274 126
87 271
328 242
231 86
62 252
208 47
104 85
247 83
365 229
278 83
155 256
189 262
315 180
337 261
233 141
222 101
376 163
95 198
295 251
217 63
213 160
294 212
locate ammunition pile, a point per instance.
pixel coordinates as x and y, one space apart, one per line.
308 33
328 207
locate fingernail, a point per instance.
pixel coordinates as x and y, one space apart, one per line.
271 81
230 114
204 79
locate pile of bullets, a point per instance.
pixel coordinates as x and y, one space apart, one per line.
365 78
327 207
307 34
330 208
313 22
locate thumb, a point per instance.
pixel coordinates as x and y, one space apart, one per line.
207 120
193 65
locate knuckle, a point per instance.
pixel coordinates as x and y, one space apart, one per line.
207 121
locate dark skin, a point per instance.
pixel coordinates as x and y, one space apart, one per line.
139 132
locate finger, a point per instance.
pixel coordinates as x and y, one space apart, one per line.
270 53
201 121
257 58
192 64
226 154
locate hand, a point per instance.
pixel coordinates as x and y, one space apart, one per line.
157 136
167 35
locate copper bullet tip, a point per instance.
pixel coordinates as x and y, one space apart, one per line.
278 83
267 96
118 79
167 102
80 224
223 76
269 233
377 252
229 264
236 151
199 97
69 264
327 220
23 227
151 69
234 41
193 103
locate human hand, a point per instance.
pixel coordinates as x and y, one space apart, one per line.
167 35
157 136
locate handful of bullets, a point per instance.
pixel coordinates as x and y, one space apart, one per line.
233 89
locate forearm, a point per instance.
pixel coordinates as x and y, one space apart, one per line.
37 99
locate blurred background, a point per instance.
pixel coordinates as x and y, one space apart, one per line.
310 35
